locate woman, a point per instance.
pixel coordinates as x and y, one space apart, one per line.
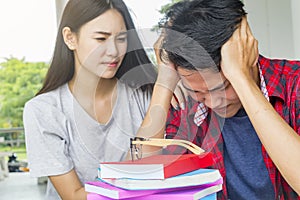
94 98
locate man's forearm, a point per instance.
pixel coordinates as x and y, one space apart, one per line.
280 141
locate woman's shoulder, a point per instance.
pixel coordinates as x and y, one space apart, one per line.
135 96
51 98
138 89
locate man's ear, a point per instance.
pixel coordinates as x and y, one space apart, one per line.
69 38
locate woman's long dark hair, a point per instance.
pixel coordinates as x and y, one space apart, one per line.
78 13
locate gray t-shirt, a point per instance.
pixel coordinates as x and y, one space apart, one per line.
61 136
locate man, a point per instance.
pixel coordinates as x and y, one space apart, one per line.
241 106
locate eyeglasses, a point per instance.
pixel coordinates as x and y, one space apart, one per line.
137 143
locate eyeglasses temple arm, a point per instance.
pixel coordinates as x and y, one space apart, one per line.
165 142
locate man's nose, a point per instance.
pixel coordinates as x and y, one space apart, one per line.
212 101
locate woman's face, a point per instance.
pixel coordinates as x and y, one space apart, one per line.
101 45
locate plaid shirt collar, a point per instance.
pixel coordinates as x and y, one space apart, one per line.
202 111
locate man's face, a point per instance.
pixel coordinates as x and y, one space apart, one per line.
212 89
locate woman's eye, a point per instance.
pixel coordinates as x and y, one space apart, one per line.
101 38
122 39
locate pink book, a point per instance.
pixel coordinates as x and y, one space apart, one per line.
92 196
175 195
110 192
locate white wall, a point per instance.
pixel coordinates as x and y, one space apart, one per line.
295 5
60 4
274 23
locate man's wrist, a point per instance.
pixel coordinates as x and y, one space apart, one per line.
167 77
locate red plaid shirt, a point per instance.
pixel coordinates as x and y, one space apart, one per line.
282 79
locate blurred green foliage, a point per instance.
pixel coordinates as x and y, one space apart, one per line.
19 82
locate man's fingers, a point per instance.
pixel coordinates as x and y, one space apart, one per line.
248 30
256 52
179 97
174 103
157 47
243 28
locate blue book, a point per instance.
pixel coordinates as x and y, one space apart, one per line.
194 178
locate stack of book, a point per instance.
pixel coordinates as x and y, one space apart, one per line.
157 177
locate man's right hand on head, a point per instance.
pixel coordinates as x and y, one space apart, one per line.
240 53
167 74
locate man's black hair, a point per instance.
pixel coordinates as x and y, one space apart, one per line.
195 31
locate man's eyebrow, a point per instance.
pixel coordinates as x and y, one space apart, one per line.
189 89
210 90
189 74
225 83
